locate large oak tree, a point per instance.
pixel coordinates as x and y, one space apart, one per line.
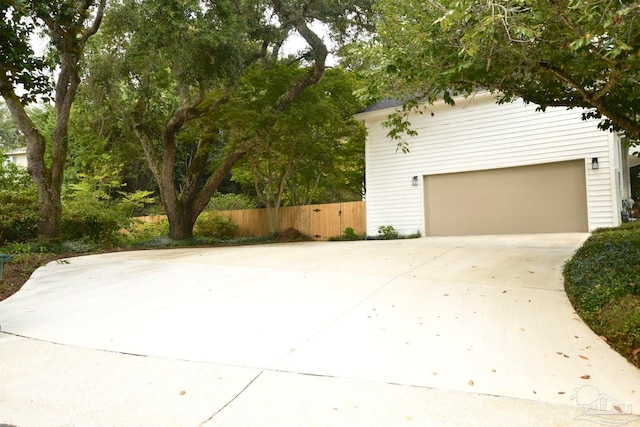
173 64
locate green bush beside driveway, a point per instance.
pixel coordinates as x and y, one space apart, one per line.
602 281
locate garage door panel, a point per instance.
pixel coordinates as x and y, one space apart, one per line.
528 199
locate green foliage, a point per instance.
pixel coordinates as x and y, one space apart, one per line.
10 135
387 232
20 66
572 53
230 202
169 88
135 203
314 153
18 204
138 232
606 267
91 219
211 225
19 248
26 78
619 321
349 234
92 211
602 281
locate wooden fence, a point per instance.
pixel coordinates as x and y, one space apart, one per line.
320 222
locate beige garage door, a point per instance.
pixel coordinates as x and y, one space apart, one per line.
545 198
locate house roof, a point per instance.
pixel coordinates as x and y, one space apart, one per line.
396 102
381 105
15 151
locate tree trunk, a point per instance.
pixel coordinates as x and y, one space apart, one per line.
49 189
273 216
49 180
181 221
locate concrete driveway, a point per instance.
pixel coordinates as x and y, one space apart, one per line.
432 331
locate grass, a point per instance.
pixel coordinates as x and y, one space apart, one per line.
602 280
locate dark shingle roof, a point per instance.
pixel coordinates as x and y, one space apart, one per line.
381 105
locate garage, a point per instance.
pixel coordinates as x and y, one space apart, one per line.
543 198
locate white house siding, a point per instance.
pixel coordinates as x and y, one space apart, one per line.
479 134
17 156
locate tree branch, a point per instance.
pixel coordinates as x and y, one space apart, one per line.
596 100
320 53
96 22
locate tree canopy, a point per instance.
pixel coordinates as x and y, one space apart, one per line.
168 68
572 53
313 153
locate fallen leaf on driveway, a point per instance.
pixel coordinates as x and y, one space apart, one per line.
585 377
617 408
471 382
561 392
583 357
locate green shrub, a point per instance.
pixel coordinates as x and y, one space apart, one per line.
19 212
619 321
141 231
387 232
97 221
602 281
230 202
211 225
606 267
95 209
349 234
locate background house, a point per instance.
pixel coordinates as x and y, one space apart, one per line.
17 156
487 168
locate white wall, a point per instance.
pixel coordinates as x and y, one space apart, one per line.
17 156
479 134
